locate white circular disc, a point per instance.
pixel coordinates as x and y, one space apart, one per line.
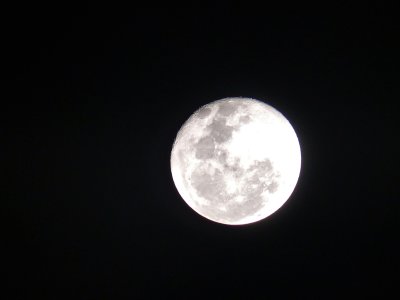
236 161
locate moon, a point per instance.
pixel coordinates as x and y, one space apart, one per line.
236 161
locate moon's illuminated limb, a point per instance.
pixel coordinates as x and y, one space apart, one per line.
236 161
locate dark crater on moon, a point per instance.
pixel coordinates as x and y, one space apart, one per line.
220 131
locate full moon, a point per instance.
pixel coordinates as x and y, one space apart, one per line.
236 161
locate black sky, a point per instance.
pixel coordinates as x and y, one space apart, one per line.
94 97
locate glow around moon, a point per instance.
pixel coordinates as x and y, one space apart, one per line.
236 161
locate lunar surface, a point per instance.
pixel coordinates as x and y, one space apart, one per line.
236 161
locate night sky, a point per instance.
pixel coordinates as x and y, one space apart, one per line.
94 97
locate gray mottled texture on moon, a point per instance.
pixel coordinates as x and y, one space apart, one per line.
205 148
224 205
216 181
